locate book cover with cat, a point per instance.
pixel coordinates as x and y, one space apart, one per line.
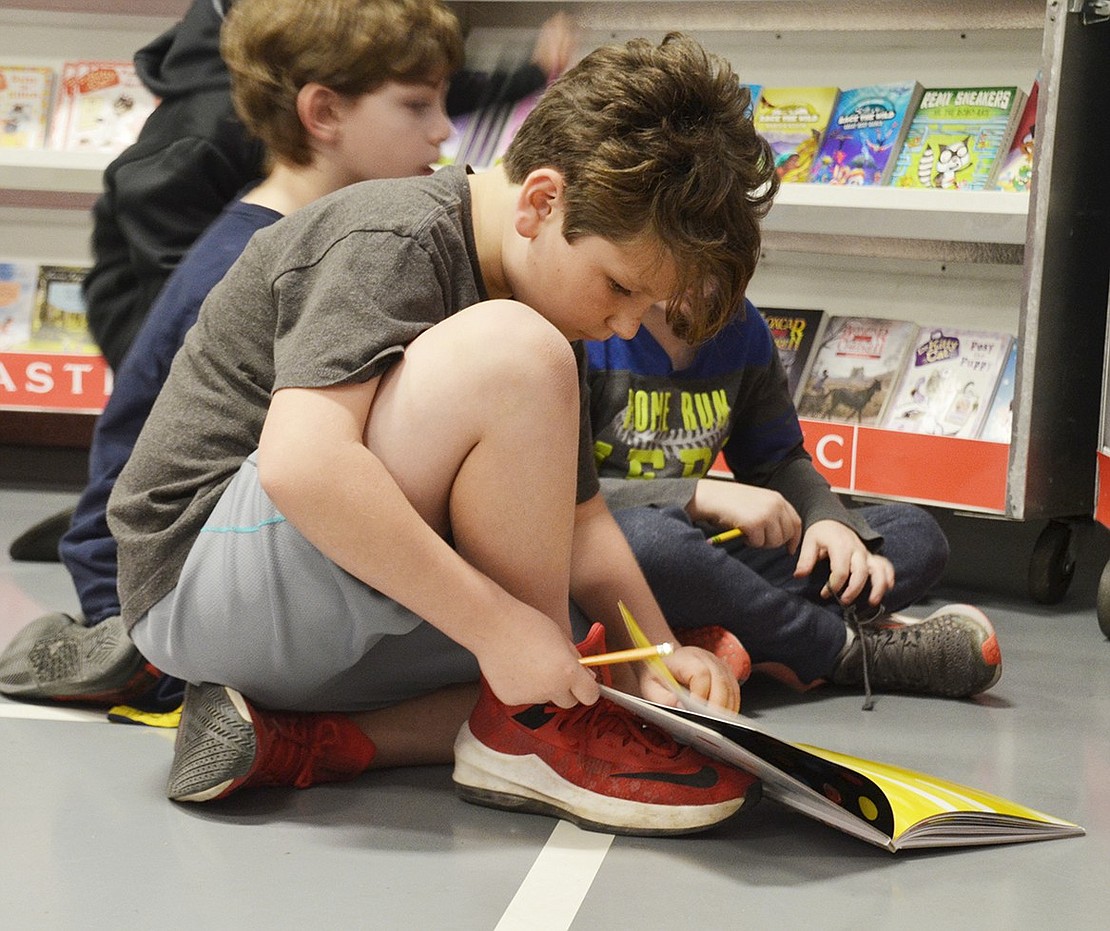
865 133
854 369
948 382
958 138
793 121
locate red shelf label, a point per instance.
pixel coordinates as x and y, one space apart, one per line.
59 382
938 470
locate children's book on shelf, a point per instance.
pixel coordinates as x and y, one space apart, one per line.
865 133
59 322
100 106
998 424
515 117
25 95
795 332
476 136
854 369
793 120
756 90
1016 173
17 301
48 359
888 806
948 382
958 138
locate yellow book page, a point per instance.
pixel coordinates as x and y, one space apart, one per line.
915 796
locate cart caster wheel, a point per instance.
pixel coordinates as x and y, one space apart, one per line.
1103 606
1051 567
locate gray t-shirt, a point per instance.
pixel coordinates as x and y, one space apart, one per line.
328 296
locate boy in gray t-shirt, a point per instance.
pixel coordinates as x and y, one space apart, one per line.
320 516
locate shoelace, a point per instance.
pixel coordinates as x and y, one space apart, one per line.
296 743
851 617
607 719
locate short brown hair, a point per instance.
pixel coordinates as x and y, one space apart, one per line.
273 48
657 140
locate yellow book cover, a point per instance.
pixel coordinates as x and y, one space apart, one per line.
25 95
793 120
888 806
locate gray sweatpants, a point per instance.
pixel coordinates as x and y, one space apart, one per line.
259 608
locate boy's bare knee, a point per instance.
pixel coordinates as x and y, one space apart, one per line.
518 347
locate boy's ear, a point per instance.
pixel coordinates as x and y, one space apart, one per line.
320 110
540 200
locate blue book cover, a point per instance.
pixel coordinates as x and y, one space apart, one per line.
17 298
756 90
865 133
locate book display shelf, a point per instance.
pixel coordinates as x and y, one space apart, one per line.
49 398
1029 264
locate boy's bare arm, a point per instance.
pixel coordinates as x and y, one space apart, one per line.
603 572
320 475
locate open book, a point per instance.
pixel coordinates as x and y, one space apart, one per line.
885 805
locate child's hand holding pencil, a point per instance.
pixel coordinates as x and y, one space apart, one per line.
725 536
628 656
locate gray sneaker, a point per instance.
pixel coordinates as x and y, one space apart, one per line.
57 658
953 653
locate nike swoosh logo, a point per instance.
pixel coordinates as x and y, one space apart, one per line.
704 778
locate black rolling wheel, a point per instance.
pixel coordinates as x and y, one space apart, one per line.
1103 606
1051 567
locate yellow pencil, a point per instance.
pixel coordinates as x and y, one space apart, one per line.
727 535
627 656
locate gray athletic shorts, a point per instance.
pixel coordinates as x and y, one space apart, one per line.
259 608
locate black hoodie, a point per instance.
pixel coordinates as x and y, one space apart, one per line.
192 157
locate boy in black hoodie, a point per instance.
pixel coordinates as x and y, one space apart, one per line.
192 158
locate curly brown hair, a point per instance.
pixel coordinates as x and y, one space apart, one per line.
657 139
273 48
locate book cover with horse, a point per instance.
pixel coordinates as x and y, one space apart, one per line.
854 369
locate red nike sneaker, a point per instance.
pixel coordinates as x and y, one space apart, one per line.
597 766
225 743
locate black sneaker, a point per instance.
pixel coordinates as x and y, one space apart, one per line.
56 658
952 653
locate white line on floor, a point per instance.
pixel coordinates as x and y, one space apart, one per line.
558 881
48 712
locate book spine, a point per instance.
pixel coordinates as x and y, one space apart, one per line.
1007 139
903 131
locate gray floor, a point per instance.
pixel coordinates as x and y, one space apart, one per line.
89 842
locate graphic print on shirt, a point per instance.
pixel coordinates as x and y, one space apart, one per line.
664 431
